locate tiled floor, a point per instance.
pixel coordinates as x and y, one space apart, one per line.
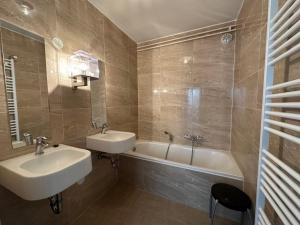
126 205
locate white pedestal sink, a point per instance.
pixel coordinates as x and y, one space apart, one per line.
113 142
35 177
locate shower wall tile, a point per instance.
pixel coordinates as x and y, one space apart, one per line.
149 61
249 60
248 81
210 75
287 151
187 88
245 92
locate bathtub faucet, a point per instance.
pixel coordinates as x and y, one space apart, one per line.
171 137
196 139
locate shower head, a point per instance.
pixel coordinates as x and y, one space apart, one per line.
226 38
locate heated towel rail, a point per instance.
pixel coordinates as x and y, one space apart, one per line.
278 185
10 85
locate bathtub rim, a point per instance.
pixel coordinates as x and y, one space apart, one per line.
137 155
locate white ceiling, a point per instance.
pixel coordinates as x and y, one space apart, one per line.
148 19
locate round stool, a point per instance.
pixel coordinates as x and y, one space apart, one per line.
229 197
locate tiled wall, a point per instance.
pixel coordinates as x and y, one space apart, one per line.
177 184
121 79
287 70
249 72
248 81
97 35
80 26
187 88
31 81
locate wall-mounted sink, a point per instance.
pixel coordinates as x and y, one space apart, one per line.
35 177
113 142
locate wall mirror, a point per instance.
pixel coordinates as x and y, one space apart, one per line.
25 81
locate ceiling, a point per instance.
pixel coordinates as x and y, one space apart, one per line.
144 20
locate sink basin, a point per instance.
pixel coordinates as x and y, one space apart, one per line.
35 177
113 142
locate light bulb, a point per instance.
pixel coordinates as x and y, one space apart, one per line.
83 66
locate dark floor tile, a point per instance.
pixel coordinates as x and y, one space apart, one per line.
89 217
127 205
154 205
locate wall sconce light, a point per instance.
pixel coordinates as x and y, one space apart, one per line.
83 66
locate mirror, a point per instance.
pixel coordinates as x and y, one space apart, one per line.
26 89
98 99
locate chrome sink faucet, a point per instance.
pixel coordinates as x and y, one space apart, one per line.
40 145
104 128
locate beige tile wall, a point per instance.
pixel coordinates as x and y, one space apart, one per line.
197 98
249 72
80 26
248 81
287 151
191 188
187 88
121 79
287 70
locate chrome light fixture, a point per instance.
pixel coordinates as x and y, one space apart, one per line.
82 67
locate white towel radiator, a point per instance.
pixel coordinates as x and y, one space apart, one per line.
10 85
278 184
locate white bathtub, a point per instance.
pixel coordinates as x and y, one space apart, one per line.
211 161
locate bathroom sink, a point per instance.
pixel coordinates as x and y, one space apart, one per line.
35 177
113 142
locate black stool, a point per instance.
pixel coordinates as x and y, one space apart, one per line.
230 197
